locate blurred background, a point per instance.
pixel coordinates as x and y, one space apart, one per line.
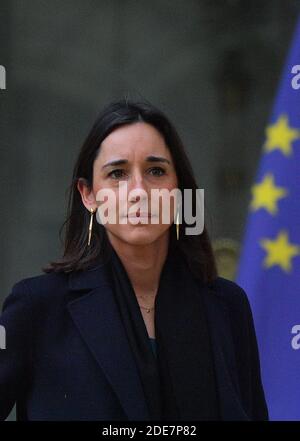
212 66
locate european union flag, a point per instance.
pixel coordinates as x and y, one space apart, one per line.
269 268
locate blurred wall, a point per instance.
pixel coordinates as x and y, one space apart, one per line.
212 66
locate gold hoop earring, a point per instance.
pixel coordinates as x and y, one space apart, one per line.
91 225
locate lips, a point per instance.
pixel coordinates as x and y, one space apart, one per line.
139 215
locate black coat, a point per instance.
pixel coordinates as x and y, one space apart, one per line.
67 356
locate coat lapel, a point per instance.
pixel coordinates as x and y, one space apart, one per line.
97 318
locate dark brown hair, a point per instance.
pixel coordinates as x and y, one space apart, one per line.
196 249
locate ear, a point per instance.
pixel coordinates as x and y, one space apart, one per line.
87 194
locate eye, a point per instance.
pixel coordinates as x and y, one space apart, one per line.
158 169
118 171
116 174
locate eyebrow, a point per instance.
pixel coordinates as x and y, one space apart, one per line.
148 159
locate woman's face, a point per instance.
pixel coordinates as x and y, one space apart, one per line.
145 164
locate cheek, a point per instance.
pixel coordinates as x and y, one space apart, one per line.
168 209
107 202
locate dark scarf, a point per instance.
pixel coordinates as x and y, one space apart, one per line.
179 384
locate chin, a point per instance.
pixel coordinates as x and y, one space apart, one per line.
140 237
138 234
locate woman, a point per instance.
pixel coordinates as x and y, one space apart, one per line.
133 322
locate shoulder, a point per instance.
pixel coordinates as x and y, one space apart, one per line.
232 295
42 282
40 288
228 289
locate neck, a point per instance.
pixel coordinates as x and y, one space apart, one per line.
143 263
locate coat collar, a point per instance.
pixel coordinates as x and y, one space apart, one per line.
96 315
90 278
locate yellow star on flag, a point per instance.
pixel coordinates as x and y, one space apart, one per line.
266 195
280 136
279 251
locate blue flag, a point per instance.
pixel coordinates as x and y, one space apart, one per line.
269 267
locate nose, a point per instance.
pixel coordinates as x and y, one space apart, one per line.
137 187
137 182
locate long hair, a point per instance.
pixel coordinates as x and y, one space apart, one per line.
196 249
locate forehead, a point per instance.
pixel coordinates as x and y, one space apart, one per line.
136 139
